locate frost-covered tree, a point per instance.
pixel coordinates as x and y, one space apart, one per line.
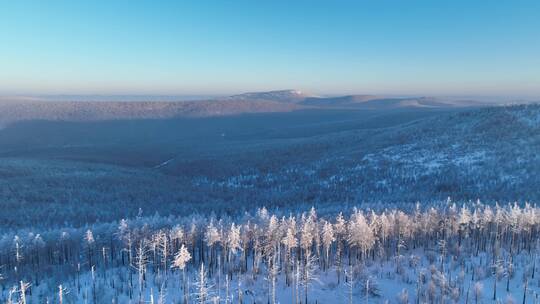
61 292
349 275
212 237
233 240
423 244
90 243
308 273
202 285
141 262
22 291
290 242
181 259
306 236
327 240
360 234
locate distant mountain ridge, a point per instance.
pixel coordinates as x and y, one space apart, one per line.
11 112
373 102
21 109
280 95
381 102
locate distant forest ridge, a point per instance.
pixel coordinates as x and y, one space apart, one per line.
96 107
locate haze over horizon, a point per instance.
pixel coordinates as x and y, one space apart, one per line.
182 48
488 99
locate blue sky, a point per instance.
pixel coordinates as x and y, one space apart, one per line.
221 47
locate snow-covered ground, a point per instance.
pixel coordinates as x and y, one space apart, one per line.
468 254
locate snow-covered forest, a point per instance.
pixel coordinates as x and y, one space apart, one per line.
471 253
269 152
189 192
294 160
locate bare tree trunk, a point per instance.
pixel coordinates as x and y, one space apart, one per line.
525 291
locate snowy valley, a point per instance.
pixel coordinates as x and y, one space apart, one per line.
405 205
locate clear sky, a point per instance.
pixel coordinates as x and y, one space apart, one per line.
220 47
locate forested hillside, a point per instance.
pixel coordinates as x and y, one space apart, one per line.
282 161
98 108
11 112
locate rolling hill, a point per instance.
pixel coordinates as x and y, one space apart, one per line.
289 96
379 102
95 111
25 109
297 159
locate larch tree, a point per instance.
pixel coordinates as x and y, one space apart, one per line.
181 259
360 234
327 240
233 241
90 242
202 285
212 237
